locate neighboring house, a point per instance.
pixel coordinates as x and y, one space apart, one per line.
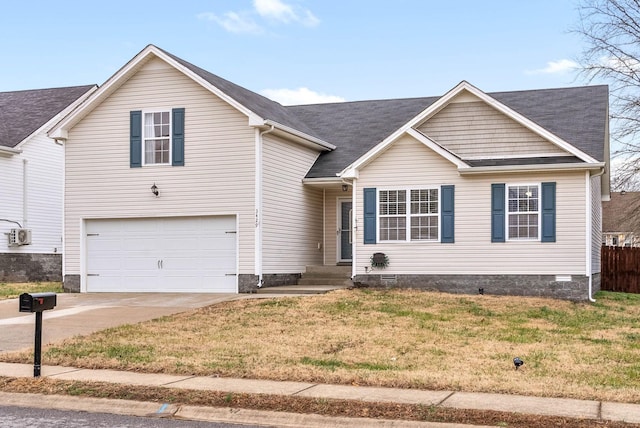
31 175
178 180
621 220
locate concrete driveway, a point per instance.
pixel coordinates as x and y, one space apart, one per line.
84 313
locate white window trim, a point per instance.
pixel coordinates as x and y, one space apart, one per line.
144 137
408 214
507 213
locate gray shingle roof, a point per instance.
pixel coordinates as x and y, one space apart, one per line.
260 105
577 115
23 112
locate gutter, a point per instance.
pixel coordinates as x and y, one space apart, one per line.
10 150
531 168
295 132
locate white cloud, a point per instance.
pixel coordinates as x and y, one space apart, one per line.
555 67
279 11
233 22
300 96
273 11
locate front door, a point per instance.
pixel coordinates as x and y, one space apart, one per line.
344 230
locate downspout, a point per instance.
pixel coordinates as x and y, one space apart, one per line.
258 205
354 229
590 234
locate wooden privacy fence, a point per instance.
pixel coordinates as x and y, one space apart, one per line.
620 269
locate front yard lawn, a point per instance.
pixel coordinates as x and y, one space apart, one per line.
396 338
13 290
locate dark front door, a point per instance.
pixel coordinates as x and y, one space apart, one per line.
345 231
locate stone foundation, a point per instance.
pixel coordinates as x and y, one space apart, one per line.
71 284
512 285
25 267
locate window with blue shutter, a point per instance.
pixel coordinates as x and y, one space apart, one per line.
135 139
548 212
497 212
177 137
157 138
447 214
369 216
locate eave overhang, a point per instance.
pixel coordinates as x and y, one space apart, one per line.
10 151
299 137
504 169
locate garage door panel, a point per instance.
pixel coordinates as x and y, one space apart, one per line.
166 254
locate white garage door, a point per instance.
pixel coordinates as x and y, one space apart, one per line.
185 254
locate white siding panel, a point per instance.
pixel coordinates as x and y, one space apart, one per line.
43 205
292 212
476 130
410 163
596 224
217 179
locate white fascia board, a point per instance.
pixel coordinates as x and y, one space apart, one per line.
120 76
433 108
522 120
62 134
10 150
316 141
213 89
531 168
437 148
322 181
126 72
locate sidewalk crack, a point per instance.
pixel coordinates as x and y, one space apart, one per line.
444 399
304 389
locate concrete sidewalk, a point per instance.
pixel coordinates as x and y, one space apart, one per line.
571 408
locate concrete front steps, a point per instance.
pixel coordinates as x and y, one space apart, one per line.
316 280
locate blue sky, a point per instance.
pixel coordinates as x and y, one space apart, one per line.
312 50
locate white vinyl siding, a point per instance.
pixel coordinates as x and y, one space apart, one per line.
42 210
408 163
292 212
217 179
596 224
476 130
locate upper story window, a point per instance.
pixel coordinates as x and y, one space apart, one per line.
523 216
409 215
157 138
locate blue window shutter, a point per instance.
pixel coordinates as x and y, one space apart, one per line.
497 212
447 214
370 215
135 139
548 212
177 137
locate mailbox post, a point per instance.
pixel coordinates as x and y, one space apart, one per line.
37 302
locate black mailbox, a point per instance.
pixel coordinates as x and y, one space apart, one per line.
37 302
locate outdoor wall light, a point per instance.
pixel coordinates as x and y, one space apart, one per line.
154 190
345 187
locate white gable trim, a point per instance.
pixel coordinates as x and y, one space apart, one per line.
352 170
129 69
60 114
444 101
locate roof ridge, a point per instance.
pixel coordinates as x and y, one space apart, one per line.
48 89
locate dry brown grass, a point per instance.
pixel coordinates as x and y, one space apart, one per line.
406 339
14 289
